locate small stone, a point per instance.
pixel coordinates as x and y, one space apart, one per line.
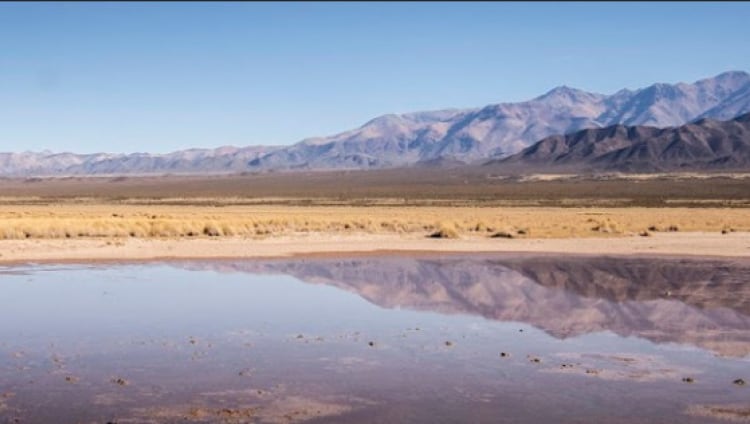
504 354
739 382
120 381
688 380
449 343
371 344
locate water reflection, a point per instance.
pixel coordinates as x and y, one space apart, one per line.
377 339
701 303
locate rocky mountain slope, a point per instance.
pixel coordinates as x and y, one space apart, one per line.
704 145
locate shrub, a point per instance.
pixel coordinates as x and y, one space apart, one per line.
446 231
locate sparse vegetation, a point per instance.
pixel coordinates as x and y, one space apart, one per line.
97 220
606 226
401 187
445 230
430 203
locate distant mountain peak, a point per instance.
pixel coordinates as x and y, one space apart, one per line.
662 90
564 91
389 118
731 75
466 135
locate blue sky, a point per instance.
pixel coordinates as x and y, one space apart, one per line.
126 77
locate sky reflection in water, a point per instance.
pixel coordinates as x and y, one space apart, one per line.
377 339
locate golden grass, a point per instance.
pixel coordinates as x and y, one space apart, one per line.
105 220
446 230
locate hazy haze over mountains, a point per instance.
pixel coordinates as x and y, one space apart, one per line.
466 135
220 160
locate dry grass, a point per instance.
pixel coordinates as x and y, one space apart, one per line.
446 230
112 220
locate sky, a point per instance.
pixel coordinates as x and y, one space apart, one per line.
158 77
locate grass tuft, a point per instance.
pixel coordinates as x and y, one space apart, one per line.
445 231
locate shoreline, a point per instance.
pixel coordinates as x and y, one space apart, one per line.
688 244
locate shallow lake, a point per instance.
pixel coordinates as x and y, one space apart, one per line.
451 338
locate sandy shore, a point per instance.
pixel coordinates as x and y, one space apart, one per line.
669 244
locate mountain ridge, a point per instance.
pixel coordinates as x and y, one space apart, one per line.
502 129
471 135
705 144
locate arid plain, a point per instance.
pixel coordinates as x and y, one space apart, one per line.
459 209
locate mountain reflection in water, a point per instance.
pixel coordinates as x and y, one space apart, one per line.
703 303
374 339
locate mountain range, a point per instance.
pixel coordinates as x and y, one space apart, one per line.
503 129
428 138
704 145
220 160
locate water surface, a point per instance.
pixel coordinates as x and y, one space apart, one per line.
462 338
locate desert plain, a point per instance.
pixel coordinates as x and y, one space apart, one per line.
410 210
